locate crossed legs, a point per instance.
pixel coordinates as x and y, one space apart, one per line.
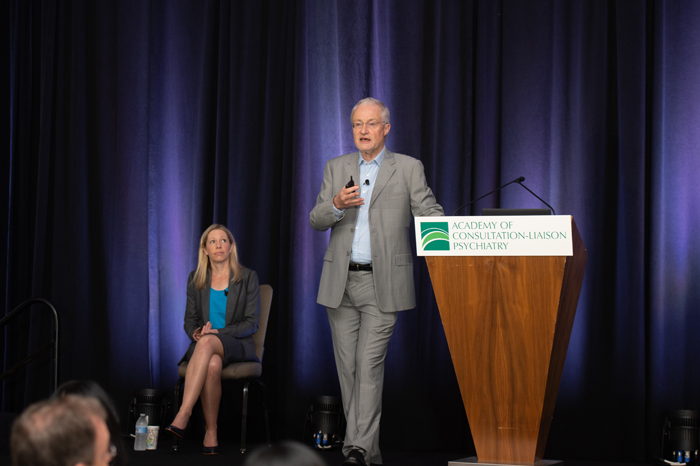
203 379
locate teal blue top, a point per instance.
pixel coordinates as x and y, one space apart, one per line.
217 308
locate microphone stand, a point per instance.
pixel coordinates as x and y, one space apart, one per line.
538 197
518 180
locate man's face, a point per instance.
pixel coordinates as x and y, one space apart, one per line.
104 450
368 130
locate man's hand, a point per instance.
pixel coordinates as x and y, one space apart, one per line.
348 197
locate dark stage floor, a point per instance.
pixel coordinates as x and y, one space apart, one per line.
189 454
230 456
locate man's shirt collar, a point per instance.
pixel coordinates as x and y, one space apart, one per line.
377 159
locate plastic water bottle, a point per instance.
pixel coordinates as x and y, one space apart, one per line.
141 432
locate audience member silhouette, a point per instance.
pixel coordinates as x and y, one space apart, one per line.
287 453
91 389
66 431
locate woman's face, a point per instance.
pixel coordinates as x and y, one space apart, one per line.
218 247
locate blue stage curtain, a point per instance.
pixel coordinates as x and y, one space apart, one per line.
135 124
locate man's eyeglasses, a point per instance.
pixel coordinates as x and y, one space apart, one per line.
370 124
111 453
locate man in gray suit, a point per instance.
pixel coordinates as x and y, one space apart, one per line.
368 267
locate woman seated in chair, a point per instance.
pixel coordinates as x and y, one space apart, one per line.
223 308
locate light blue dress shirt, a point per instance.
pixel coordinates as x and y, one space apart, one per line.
361 246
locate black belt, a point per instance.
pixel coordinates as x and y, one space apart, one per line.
358 267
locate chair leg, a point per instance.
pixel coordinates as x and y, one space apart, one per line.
244 414
176 407
267 415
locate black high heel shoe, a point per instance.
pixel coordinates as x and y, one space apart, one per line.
176 431
210 450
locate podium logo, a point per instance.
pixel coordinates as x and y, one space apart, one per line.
435 236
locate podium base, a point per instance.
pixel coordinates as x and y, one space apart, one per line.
472 460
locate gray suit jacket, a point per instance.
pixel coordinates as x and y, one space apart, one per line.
400 193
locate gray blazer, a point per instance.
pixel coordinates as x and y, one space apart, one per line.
242 311
400 193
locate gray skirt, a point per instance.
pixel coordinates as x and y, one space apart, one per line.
234 350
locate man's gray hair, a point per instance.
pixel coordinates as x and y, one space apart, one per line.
56 432
372 100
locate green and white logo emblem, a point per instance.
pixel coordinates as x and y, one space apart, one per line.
435 236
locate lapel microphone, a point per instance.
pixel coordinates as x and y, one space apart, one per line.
367 182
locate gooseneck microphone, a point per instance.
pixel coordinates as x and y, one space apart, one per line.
538 197
518 180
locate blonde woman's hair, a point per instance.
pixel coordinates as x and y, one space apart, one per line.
203 272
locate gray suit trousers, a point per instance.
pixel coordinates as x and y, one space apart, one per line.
361 334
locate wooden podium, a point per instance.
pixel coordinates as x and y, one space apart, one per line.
508 320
